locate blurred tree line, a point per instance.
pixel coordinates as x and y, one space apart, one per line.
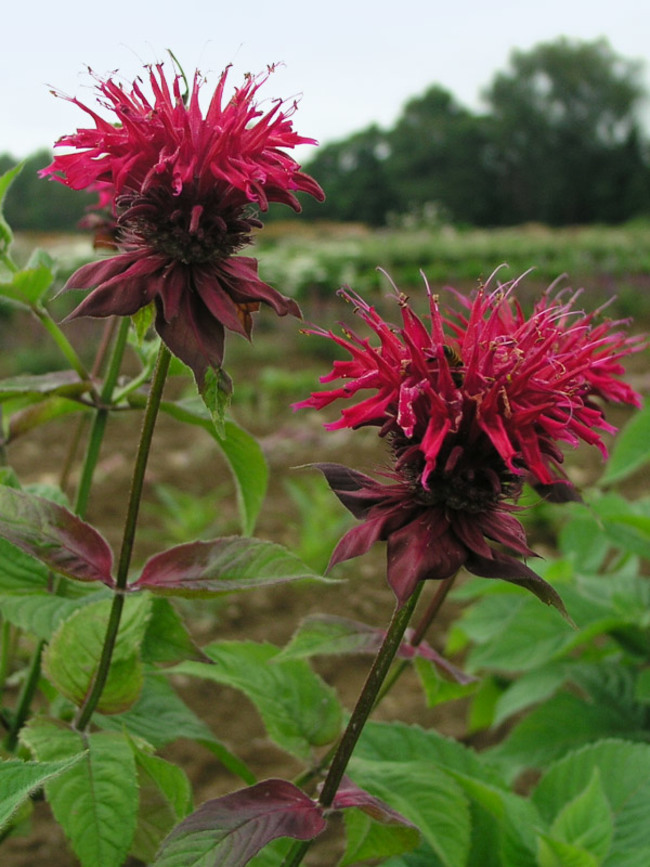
33 204
560 143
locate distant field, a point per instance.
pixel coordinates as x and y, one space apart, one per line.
311 260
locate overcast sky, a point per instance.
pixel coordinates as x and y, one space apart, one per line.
352 62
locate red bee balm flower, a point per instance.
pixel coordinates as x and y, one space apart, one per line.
182 185
473 403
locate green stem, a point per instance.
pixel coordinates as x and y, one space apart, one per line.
96 435
365 703
61 341
5 652
149 422
419 632
25 698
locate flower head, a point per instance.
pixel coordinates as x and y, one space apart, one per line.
473 403
182 184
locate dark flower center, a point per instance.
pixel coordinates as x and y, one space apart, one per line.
470 478
186 228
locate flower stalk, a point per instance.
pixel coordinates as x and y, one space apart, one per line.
149 422
363 708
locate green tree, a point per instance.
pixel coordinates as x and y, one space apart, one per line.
566 143
438 155
355 179
34 204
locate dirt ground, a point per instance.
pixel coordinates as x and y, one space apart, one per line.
188 459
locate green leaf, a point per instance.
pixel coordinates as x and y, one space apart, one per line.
25 418
427 796
6 235
165 799
437 689
631 448
37 612
220 566
367 840
556 853
524 748
72 656
167 639
242 452
19 779
20 573
587 820
96 801
299 710
65 383
216 391
623 779
160 716
28 286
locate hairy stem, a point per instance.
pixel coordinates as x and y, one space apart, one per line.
419 632
365 703
149 422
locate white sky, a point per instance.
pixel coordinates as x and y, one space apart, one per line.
353 62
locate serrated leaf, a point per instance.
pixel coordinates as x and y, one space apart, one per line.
19 779
373 828
589 722
299 710
37 612
96 801
160 716
556 853
167 639
219 566
72 657
20 573
165 799
631 448
242 452
367 840
229 831
216 391
624 772
56 537
427 797
587 820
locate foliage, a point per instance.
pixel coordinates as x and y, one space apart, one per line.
560 142
410 797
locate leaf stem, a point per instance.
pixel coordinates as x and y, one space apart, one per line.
61 340
96 435
419 632
25 698
365 703
149 422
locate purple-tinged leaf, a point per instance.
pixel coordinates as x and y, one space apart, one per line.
229 831
351 795
230 563
56 537
328 635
